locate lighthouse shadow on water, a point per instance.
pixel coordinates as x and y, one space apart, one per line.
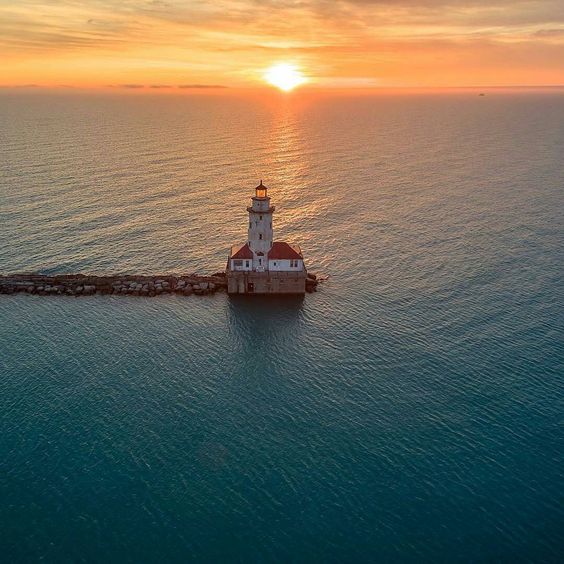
265 316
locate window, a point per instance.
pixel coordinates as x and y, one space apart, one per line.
260 236
247 264
250 224
294 263
260 217
260 261
237 263
274 263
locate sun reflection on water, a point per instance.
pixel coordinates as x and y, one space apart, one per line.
288 164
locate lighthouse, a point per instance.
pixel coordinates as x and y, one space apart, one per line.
262 265
260 227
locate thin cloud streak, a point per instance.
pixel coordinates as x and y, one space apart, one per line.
200 86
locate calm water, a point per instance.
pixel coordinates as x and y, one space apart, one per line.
409 411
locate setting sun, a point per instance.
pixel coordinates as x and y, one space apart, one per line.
284 76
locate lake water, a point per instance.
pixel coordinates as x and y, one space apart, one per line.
411 410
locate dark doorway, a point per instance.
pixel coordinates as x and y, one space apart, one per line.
250 287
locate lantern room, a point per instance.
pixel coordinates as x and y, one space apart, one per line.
260 190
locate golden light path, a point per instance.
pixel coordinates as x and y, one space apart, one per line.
284 76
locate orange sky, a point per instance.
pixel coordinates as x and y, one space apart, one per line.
337 43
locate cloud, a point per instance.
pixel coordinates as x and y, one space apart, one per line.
165 86
203 86
19 86
550 33
72 24
211 42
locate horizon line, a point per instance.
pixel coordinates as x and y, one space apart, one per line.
305 88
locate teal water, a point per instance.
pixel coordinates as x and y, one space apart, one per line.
411 410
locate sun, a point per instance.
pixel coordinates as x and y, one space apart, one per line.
284 76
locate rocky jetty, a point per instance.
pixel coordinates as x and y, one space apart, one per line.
121 285
128 285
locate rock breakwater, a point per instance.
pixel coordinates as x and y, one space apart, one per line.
130 285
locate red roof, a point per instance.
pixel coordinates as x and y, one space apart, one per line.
283 251
241 252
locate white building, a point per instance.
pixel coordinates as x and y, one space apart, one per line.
261 265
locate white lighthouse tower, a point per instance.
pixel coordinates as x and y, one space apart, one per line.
261 265
260 227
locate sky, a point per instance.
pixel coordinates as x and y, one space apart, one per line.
230 43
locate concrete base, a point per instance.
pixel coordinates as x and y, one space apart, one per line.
266 282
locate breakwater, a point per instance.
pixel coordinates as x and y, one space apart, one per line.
128 285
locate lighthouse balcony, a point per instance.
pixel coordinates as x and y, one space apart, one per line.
265 210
